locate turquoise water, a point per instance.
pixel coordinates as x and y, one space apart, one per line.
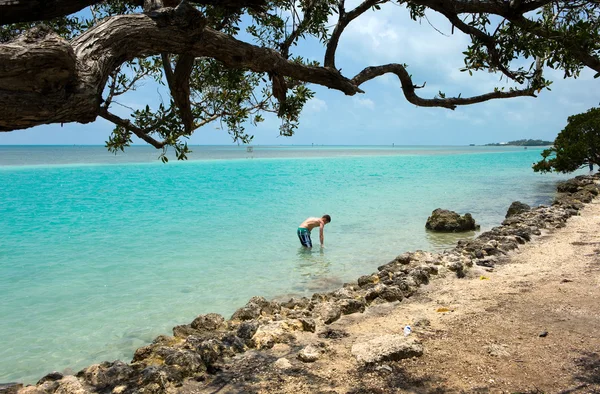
99 254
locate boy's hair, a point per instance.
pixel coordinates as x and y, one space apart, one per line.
327 217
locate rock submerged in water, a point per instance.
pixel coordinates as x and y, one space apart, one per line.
443 220
516 208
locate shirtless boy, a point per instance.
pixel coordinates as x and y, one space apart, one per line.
309 224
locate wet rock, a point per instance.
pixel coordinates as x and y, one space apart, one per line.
443 220
142 353
404 258
309 354
106 374
247 329
386 348
69 385
209 322
342 293
11 388
184 330
569 186
368 280
256 307
52 376
296 303
516 208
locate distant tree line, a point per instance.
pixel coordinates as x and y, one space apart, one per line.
523 143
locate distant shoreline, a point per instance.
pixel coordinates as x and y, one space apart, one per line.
522 143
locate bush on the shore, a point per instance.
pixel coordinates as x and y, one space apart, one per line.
576 146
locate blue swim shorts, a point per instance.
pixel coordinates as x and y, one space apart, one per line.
304 236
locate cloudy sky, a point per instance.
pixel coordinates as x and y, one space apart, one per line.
382 116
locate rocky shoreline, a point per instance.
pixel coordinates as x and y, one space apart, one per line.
198 351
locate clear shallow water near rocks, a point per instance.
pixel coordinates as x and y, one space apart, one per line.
99 254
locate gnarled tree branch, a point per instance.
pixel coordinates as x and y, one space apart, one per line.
15 11
68 78
408 87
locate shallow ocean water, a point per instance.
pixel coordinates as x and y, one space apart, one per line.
99 254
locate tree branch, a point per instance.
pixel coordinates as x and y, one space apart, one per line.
180 90
343 21
12 11
68 79
142 134
408 87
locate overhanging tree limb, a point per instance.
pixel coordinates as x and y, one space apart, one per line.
68 78
16 11
408 87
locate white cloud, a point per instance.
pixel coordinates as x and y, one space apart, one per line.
316 105
363 102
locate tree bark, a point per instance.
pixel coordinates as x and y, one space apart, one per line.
15 11
44 79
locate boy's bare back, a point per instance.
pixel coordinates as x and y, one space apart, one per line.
311 223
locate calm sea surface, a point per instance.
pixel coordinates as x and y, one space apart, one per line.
99 253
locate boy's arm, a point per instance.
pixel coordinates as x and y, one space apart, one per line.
321 232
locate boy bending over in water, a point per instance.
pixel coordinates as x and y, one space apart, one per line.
309 224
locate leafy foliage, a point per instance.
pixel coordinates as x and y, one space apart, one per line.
515 39
576 146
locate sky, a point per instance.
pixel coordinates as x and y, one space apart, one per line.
381 116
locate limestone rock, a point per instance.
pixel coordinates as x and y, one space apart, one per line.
309 354
516 208
209 322
328 312
10 388
282 363
69 385
247 329
275 332
349 306
387 348
368 280
106 374
443 220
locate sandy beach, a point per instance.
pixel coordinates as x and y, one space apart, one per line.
530 325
